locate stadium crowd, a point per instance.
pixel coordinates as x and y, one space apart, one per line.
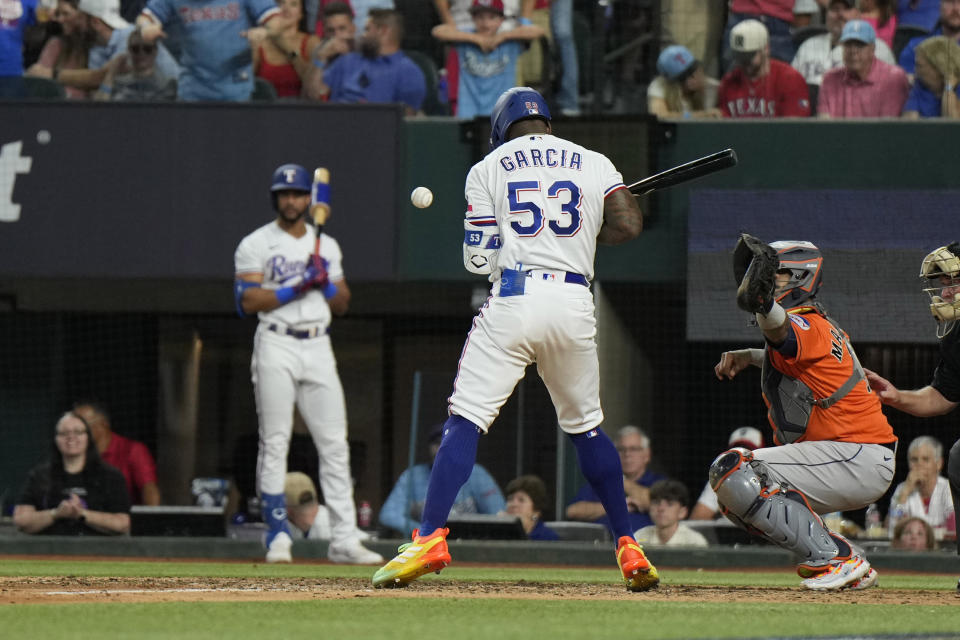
750 58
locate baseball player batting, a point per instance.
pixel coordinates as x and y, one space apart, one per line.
837 451
295 295
536 207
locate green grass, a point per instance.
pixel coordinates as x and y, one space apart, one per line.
461 618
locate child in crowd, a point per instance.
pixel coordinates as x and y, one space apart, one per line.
487 56
668 506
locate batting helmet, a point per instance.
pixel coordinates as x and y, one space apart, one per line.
940 273
289 177
513 105
803 260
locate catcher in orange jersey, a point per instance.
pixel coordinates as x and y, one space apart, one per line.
836 449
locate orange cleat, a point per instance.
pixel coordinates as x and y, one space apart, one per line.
637 571
423 555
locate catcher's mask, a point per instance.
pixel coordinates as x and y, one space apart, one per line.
940 274
803 261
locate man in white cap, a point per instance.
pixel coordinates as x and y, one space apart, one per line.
864 87
759 86
707 507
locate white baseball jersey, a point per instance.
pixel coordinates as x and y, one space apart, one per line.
281 259
546 195
287 371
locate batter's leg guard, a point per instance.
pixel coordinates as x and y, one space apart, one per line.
782 516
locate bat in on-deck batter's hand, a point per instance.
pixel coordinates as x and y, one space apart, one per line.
319 204
685 172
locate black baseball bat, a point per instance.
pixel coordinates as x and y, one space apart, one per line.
685 172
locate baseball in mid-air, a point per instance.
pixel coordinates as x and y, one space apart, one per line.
421 197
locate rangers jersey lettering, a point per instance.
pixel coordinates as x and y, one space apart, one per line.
780 93
282 259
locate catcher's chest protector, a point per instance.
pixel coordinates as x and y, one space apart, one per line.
790 401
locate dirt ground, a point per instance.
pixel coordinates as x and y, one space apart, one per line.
51 590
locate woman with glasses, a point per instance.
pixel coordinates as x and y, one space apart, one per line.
74 493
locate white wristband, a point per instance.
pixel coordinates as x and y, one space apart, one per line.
773 319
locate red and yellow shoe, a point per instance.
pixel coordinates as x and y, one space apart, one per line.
423 555
638 572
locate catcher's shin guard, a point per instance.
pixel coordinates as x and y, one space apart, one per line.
780 515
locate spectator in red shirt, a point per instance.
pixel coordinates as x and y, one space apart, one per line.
759 86
863 87
132 458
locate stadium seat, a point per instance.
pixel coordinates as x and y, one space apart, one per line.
431 102
42 89
263 91
904 34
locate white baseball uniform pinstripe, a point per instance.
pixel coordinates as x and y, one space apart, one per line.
546 196
287 370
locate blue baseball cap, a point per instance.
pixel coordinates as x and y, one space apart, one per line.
674 61
859 30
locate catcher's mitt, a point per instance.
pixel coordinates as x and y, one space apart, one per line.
755 265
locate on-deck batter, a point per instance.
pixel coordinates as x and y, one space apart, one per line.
293 294
536 207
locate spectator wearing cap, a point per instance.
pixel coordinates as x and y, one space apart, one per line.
819 54
527 499
668 506
307 517
759 86
779 17
863 87
109 36
682 89
457 13
487 56
935 92
379 71
707 507
404 506
948 25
